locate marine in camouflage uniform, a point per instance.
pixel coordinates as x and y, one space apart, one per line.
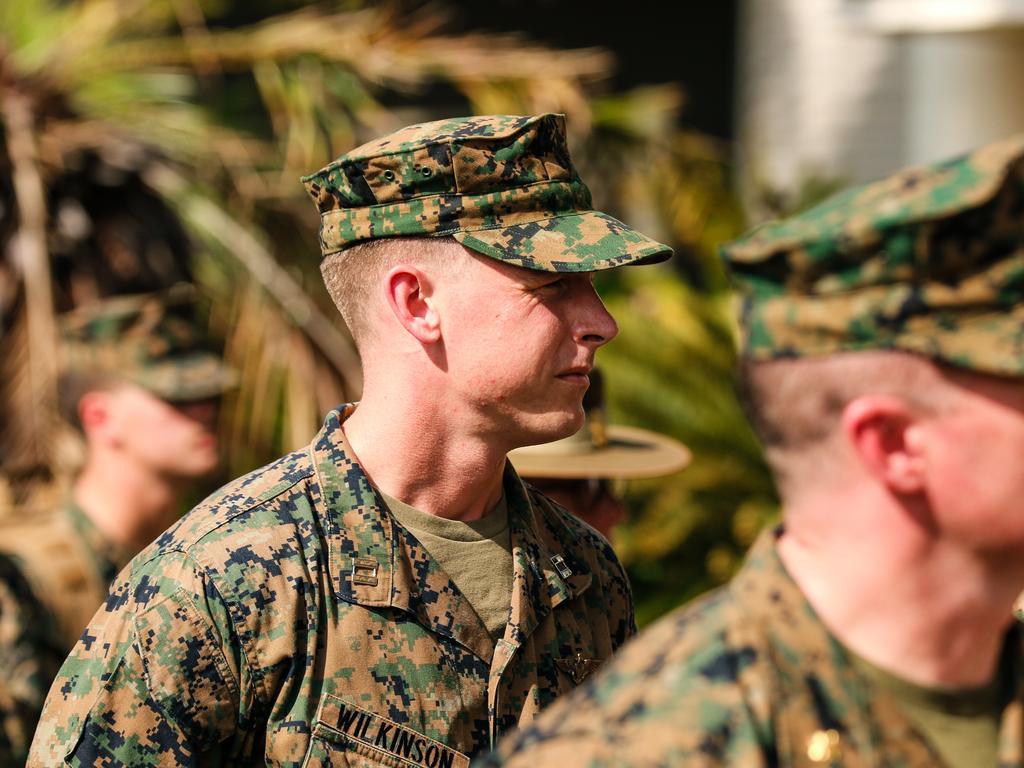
290 618
928 261
60 564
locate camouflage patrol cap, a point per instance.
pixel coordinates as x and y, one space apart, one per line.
501 185
929 260
151 340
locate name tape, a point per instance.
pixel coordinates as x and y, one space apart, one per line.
372 730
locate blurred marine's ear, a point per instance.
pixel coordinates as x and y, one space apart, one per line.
94 412
883 432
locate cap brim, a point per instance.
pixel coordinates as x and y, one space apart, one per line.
954 330
631 453
198 376
575 242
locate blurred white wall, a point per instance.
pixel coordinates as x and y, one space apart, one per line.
853 89
965 89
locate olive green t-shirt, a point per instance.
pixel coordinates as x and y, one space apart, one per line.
477 555
962 723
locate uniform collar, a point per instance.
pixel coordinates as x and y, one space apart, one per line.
107 556
375 562
806 657
546 570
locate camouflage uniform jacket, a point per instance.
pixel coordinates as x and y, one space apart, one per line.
290 620
747 676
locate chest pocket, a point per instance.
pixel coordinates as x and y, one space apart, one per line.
345 734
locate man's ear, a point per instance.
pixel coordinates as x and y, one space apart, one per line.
885 434
95 415
410 294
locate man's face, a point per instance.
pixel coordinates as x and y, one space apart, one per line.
975 448
518 347
174 440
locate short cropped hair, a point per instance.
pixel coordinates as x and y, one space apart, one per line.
795 404
352 274
73 386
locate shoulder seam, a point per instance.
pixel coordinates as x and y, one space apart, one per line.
210 576
186 547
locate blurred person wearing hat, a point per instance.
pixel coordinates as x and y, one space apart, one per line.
141 390
392 594
578 471
884 369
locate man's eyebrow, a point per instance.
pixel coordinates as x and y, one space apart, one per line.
536 277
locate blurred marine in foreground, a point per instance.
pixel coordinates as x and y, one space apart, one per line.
392 594
140 388
884 362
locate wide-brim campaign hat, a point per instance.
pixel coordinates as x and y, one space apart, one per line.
624 453
501 185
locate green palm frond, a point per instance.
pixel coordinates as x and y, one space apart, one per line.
671 369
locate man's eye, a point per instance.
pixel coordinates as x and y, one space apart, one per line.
552 288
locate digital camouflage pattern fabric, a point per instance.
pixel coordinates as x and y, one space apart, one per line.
29 660
58 568
290 620
745 676
151 340
930 261
502 185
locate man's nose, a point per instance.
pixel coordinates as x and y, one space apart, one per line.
203 411
596 326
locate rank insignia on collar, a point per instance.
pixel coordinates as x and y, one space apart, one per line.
561 566
364 571
578 668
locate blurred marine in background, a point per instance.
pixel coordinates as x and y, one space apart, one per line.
884 364
393 594
29 660
141 389
580 471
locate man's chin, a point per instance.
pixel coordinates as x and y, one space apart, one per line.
553 430
196 470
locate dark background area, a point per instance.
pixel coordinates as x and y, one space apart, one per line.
655 42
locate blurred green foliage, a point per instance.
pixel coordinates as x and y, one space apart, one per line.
671 369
